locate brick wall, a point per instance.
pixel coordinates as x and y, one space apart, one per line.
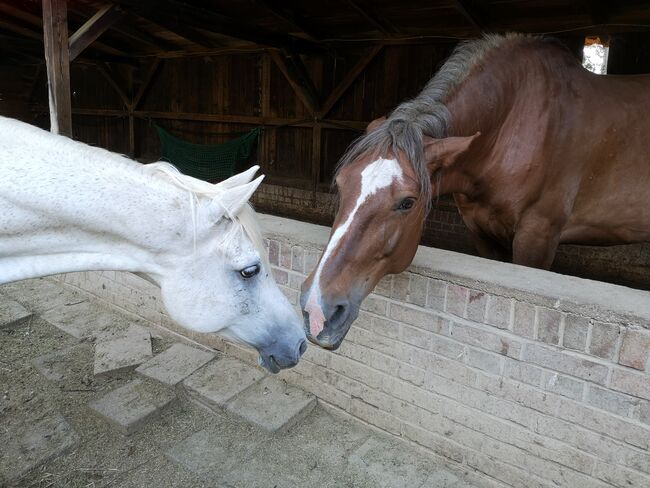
444 228
516 377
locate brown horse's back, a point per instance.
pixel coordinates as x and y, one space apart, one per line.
565 157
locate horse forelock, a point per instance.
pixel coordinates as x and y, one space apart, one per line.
245 220
402 133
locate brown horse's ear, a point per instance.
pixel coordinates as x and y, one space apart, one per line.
374 124
442 153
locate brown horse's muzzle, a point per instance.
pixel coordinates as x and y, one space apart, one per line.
339 315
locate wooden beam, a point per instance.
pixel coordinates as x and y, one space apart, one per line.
173 24
34 83
298 88
469 10
304 77
600 11
382 25
351 125
23 31
317 137
104 70
342 87
269 136
146 83
92 29
126 29
35 21
280 9
55 34
211 21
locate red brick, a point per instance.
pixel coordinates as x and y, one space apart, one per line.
603 340
456 300
274 252
635 348
498 311
524 322
548 325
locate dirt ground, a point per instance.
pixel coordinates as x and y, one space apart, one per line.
49 437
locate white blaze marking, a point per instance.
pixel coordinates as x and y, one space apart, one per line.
376 176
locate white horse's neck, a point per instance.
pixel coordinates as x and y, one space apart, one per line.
65 207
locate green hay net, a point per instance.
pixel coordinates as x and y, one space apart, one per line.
209 162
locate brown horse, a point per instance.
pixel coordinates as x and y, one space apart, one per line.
536 151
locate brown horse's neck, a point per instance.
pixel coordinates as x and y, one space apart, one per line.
488 96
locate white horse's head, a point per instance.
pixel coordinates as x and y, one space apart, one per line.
223 283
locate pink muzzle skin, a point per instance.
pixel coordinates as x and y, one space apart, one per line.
316 317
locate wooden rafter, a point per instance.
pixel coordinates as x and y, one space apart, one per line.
37 22
210 21
55 34
280 9
146 84
304 77
600 11
300 90
381 24
342 87
172 24
470 11
93 28
353 125
108 75
125 28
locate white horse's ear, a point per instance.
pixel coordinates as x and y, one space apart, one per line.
232 200
239 179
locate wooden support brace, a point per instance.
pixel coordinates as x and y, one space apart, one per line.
470 12
382 25
298 88
104 70
146 83
93 28
55 35
348 80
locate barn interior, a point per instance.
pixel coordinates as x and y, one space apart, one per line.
301 79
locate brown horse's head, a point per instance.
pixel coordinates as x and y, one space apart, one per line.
384 198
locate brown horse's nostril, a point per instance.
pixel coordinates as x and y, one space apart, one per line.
338 312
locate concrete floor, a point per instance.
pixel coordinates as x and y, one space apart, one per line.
49 437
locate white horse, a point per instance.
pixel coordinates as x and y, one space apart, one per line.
66 206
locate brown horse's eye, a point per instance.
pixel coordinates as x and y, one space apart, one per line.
406 204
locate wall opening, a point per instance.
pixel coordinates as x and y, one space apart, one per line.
595 54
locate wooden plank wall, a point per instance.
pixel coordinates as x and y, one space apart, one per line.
247 86
211 99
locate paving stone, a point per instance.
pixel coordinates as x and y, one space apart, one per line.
82 318
55 365
219 381
12 312
33 444
272 404
123 350
41 294
444 479
175 364
132 405
390 466
209 453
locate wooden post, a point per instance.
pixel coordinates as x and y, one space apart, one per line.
92 29
55 36
317 133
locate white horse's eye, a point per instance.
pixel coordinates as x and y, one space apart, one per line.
250 271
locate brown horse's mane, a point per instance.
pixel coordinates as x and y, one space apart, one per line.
426 114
